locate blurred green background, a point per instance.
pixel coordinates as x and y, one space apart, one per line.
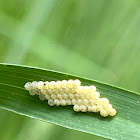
99 40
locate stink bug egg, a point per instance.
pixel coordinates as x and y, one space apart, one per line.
77 82
100 107
84 90
76 108
79 89
43 91
61 84
67 90
68 102
74 101
37 91
69 83
27 86
32 92
61 90
50 102
91 102
79 101
65 96
42 97
94 108
33 84
59 96
64 82
47 96
71 96
89 109
53 96
52 84
104 113
92 95
108 107
57 102
97 95
85 102
77 95
40 84
82 96
45 86
82 108
93 88
57 85
88 96
112 112
62 102
104 101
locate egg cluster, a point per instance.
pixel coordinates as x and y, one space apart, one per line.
84 98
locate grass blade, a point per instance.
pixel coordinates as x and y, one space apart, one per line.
13 97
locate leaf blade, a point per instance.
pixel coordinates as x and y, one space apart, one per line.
18 100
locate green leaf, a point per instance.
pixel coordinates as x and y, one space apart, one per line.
13 97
